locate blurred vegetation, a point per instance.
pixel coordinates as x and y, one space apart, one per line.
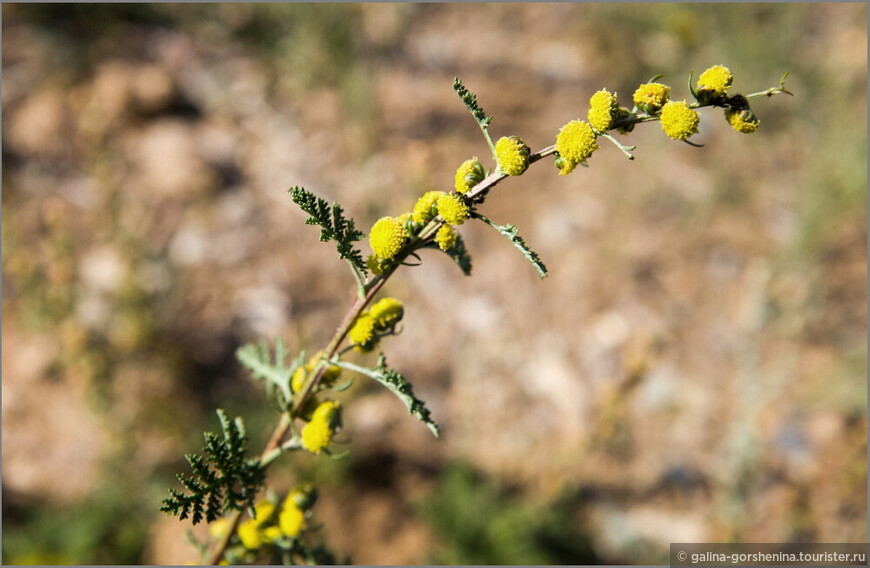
479 522
319 48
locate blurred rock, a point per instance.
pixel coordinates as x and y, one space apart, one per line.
53 442
103 268
38 126
152 88
166 161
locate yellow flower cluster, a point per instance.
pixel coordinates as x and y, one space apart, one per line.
469 174
603 108
575 143
446 237
650 97
742 120
264 528
453 209
716 80
324 423
679 121
329 376
424 209
512 155
382 316
387 237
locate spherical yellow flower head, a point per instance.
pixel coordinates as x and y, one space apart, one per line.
453 209
715 80
469 174
425 209
325 422
512 155
575 143
362 334
386 313
445 237
679 121
375 265
742 120
291 520
387 237
650 97
603 109
249 531
249 534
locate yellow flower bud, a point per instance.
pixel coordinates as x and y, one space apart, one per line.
603 109
650 97
386 313
325 422
742 120
469 174
249 534
446 237
424 210
292 521
362 334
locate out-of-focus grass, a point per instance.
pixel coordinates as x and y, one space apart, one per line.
111 527
479 522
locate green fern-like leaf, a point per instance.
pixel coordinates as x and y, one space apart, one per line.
398 385
333 225
277 375
512 234
470 100
222 479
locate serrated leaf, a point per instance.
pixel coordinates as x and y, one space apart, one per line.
256 358
398 385
333 225
512 234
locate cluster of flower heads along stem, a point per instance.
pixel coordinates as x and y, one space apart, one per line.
436 213
298 390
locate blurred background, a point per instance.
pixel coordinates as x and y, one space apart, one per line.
694 368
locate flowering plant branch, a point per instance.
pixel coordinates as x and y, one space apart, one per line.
281 531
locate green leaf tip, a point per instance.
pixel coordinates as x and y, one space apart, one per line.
333 225
470 101
512 234
398 385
